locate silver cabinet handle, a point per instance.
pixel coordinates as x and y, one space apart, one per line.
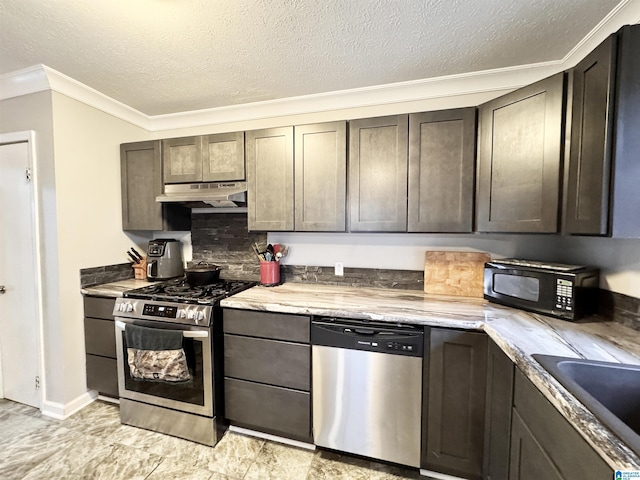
2 289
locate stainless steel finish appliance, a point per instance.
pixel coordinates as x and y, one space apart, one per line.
194 409
216 194
367 388
164 259
564 291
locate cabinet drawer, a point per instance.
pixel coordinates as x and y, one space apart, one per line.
571 454
99 307
102 375
267 361
99 337
270 409
294 328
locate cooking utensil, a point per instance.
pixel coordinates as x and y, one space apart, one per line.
137 254
202 273
133 258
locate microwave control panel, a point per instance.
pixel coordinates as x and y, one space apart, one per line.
564 294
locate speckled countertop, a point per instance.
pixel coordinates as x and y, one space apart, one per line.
115 289
519 334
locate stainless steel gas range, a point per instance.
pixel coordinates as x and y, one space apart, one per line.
169 356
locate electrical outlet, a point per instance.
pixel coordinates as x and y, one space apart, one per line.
339 269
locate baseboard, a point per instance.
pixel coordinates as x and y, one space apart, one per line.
60 411
438 476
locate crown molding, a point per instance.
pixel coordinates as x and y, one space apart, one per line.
61 83
23 82
40 77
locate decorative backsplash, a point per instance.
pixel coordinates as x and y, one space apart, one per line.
106 274
620 308
223 239
354 277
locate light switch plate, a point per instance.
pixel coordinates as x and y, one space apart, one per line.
339 269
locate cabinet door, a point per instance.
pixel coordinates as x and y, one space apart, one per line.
589 172
442 148
271 362
321 177
455 406
141 183
276 410
519 158
571 455
378 174
529 461
270 179
498 408
182 160
223 157
625 221
102 375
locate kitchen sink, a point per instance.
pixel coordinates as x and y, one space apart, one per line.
611 391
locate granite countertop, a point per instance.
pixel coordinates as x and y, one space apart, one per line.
115 289
519 334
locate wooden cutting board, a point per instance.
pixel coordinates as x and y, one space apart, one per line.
455 273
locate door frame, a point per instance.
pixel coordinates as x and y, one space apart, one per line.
29 137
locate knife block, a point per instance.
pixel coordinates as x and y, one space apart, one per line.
140 269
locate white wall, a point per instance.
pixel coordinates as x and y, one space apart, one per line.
618 260
87 184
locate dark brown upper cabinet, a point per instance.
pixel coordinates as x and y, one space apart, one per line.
141 183
519 159
270 179
321 177
209 158
442 147
603 170
378 174
591 134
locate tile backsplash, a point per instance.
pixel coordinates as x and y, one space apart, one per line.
223 239
620 308
109 273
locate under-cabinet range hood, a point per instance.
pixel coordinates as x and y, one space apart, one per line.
218 194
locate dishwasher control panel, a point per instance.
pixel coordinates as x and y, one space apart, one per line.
395 339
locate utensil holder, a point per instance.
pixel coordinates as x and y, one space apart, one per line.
270 273
140 270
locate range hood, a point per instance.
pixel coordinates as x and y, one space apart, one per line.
218 194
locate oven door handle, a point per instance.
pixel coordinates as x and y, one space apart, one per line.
185 333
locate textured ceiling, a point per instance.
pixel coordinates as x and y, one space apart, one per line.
166 56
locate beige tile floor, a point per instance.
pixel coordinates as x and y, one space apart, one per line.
92 444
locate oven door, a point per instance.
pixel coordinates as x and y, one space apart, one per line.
194 396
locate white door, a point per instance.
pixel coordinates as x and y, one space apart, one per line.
19 295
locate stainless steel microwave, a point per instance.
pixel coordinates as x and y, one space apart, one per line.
563 291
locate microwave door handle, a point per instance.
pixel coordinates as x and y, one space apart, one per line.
187 333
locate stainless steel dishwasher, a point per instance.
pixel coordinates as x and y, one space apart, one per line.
367 388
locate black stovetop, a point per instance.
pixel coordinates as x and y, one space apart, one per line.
179 291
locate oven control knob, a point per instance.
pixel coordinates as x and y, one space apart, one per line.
190 315
129 307
182 313
200 316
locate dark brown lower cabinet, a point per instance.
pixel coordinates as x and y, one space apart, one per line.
454 398
100 345
544 444
267 372
276 410
497 423
529 461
